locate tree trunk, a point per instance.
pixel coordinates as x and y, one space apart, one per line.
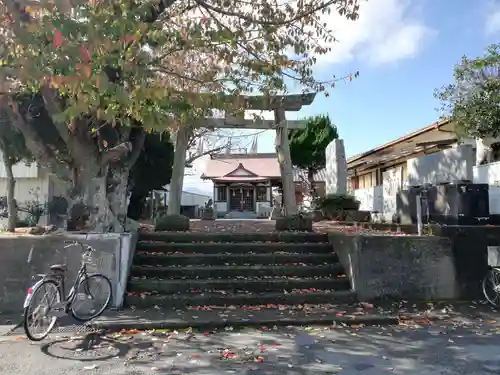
310 178
11 200
89 206
117 195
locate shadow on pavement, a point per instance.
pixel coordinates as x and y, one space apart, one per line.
441 348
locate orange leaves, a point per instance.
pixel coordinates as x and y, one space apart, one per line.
84 69
57 40
127 38
85 55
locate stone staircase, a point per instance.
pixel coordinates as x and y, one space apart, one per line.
187 270
220 280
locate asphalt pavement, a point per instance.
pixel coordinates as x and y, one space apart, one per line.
465 345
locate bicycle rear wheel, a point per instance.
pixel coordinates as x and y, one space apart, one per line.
491 286
91 298
38 313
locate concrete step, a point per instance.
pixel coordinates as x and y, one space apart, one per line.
225 272
188 237
144 258
218 299
235 318
231 285
242 247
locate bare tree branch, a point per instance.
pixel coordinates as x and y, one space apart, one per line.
194 157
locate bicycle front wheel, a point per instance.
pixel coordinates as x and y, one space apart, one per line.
45 299
491 286
92 297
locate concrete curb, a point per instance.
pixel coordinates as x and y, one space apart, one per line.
117 324
189 237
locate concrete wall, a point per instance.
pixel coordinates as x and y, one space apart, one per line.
392 182
444 166
372 199
397 267
112 258
490 174
453 164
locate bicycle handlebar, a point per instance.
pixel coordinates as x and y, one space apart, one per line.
85 248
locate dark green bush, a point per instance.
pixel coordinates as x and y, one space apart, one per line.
338 202
172 223
23 223
297 222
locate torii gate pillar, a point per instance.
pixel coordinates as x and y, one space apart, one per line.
285 161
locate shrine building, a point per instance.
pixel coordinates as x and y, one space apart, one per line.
244 183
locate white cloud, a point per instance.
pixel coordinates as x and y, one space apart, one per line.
492 25
386 31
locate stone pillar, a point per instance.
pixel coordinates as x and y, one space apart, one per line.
285 162
181 144
336 168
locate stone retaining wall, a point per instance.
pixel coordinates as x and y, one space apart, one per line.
112 258
397 267
469 246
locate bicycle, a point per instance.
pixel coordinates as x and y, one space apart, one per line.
492 279
55 280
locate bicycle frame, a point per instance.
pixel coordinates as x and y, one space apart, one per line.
58 277
82 275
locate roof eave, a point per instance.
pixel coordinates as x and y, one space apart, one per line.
398 140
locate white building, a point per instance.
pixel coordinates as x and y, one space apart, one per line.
429 155
33 185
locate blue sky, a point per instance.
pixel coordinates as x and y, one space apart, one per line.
403 49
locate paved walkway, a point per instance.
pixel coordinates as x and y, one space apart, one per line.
261 225
444 348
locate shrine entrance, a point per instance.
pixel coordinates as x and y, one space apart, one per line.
244 197
241 198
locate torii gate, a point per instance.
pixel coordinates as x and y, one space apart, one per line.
279 104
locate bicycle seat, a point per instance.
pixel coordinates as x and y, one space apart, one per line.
58 267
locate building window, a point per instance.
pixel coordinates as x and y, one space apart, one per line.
261 193
221 194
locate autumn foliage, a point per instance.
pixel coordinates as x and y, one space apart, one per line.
107 71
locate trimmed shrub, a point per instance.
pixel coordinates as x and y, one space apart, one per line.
172 223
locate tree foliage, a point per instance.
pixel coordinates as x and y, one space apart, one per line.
102 73
153 168
12 142
472 101
152 171
308 145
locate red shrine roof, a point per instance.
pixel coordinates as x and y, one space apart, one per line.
242 167
250 168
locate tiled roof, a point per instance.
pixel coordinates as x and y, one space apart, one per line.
264 165
240 178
